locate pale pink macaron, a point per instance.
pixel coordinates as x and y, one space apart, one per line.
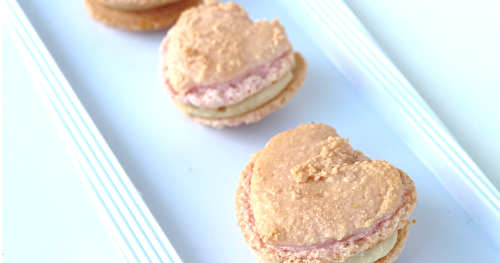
221 69
308 196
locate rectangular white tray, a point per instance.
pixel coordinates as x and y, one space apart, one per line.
187 173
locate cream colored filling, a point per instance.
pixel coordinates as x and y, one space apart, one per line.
135 7
247 105
371 255
380 250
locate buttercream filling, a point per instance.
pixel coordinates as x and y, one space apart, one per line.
371 255
231 92
375 253
138 7
247 105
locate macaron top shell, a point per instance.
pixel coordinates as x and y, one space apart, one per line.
309 187
216 43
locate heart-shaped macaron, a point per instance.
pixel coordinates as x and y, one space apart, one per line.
308 193
138 15
222 69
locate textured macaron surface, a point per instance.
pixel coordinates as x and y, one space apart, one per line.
309 186
217 43
308 196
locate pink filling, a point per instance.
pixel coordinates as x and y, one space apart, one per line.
232 92
335 246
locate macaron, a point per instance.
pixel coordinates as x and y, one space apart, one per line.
222 69
308 196
138 15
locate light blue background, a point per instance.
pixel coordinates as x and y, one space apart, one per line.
188 173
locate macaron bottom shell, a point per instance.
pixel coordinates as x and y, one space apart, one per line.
299 75
138 20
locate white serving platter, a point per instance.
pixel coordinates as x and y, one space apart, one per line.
187 173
